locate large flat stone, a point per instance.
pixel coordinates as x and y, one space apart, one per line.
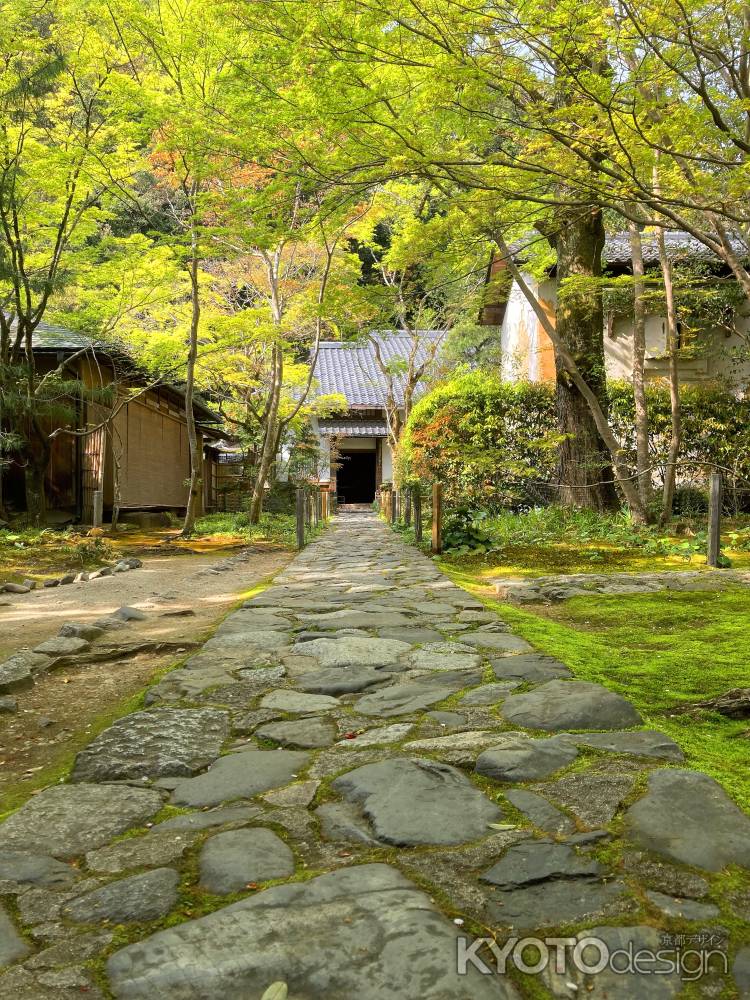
340 680
23 868
363 932
355 619
12 945
444 656
559 705
530 667
554 902
154 850
518 758
354 652
147 896
305 733
497 642
646 743
153 744
67 820
230 860
402 699
416 801
295 702
240 775
225 815
531 861
688 817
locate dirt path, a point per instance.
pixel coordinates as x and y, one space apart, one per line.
57 715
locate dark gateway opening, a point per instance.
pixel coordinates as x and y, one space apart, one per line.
355 479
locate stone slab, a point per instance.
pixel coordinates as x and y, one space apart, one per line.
532 667
295 702
355 652
518 758
531 861
23 868
68 820
229 861
560 705
364 932
417 801
147 896
688 817
240 775
305 733
153 744
402 699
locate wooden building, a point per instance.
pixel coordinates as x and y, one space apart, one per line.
131 440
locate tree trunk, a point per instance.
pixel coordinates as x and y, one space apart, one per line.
194 488
673 346
34 475
270 437
584 468
643 457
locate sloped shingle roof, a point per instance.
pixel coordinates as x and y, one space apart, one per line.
351 368
49 337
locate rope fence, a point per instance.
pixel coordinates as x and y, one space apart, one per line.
404 506
314 507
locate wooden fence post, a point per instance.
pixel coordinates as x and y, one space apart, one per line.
314 508
392 506
437 518
418 516
98 514
407 506
300 519
714 521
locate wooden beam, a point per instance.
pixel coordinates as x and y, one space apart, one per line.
714 521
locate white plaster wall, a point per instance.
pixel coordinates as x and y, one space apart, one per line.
387 463
516 333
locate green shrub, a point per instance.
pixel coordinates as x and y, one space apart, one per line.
490 443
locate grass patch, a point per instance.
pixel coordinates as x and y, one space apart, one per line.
279 529
662 651
562 540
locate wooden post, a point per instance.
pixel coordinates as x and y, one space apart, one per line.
314 508
392 505
300 519
98 515
437 518
407 506
308 509
324 500
714 521
418 516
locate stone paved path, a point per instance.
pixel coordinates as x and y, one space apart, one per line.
362 767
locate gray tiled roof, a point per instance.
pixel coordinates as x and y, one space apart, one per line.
353 428
351 368
49 337
679 245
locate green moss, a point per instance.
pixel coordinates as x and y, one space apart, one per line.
663 651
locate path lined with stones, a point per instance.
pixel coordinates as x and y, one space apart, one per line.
360 767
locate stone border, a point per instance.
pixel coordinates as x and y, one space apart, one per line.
121 566
563 586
